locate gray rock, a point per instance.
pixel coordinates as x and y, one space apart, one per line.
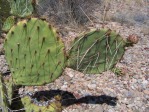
91 86
97 109
145 83
110 93
129 94
111 110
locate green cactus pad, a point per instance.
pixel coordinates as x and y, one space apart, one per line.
34 52
97 51
21 8
9 22
31 107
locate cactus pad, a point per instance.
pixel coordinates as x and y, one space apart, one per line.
97 51
10 21
34 52
31 107
21 8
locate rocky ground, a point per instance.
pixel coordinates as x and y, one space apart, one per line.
130 88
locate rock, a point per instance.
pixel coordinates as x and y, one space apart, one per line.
109 92
146 92
145 83
58 83
129 94
97 109
67 78
130 105
111 110
64 87
91 86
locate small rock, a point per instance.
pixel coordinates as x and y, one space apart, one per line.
64 87
58 83
129 94
111 110
97 109
35 89
71 74
91 86
109 92
146 92
67 78
144 83
130 105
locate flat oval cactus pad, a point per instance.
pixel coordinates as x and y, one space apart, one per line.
34 52
96 51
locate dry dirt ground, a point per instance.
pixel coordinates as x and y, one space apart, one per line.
108 92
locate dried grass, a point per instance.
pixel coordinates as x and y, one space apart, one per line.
67 11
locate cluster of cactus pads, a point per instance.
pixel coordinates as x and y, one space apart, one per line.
36 56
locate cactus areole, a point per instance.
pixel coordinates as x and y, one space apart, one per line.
96 51
34 52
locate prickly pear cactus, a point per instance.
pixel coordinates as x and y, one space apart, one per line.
21 8
9 22
34 52
96 51
30 106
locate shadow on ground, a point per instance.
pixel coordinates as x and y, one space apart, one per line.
67 98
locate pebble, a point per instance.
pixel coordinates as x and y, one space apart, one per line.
67 78
129 94
97 109
91 86
146 92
